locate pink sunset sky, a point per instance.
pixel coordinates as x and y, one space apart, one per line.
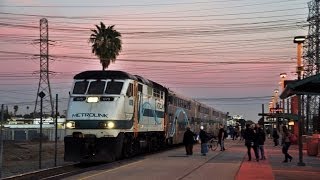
233 51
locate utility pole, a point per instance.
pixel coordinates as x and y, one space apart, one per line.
312 60
56 134
41 95
299 41
1 139
44 83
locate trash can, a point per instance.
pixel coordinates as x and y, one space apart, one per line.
312 146
305 141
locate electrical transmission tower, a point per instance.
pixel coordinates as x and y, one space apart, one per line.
312 61
44 83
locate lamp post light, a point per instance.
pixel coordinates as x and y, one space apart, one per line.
273 101
276 91
299 40
283 77
270 106
41 95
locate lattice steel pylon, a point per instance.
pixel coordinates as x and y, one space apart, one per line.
44 83
312 61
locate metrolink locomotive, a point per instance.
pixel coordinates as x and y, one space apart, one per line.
113 115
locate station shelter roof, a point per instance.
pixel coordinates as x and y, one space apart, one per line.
306 86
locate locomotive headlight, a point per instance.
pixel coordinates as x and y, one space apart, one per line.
92 99
70 125
110 125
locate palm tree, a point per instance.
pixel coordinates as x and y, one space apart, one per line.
106 44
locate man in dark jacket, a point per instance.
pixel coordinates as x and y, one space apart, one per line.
204 139
275 136
221 137
188 141
250 141
261 138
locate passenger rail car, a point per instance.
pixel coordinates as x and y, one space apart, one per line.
113 114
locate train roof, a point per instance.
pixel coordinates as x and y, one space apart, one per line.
174 93
104 75
111 74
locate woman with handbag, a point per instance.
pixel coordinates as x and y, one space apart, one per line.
250 138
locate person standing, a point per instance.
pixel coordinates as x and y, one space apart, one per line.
261 138
235 133
204 139
286 144
241 134
275 136
188 141
250 141
221 136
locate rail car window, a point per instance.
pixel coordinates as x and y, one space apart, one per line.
114 87
80 87
203 110
96 87
156 93
149 91
161 94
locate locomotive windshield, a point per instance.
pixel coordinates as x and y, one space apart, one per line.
80 87
114 87
96 87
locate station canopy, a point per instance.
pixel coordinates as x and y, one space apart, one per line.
306 86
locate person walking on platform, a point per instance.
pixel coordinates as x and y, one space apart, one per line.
268 133
241 134
204 139
286 144
275 137
188 141
261 138
250 142
222 134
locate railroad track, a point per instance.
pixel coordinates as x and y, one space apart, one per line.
78 168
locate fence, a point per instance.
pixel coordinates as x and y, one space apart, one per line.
29 134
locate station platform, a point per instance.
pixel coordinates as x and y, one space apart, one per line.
225 165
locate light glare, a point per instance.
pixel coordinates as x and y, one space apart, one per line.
92 99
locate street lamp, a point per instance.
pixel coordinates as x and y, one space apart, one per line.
299 41
41 95
276 91
283 77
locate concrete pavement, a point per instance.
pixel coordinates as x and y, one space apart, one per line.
230 164
274 168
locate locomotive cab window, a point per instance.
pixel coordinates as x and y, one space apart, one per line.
96 87
114 87
80 87
130 90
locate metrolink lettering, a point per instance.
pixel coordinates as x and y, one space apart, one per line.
78 115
